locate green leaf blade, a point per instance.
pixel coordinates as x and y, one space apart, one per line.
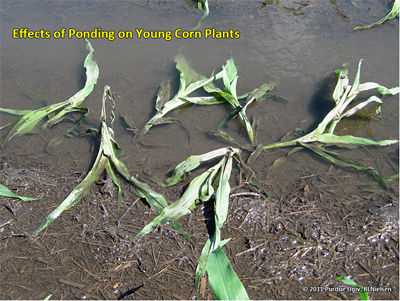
4 191
224 282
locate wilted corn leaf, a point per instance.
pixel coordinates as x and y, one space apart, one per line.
198 189
229 76
163 94
107 158
391 15
192 163
28 122
4 191
203 6
189 82
343 161
78 193
15 112
343 95
92 73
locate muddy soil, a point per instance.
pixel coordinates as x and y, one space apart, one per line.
291 247
321 221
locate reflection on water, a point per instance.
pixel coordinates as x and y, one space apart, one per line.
299 43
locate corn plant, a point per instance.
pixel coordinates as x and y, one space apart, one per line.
191 81
106 159
203 6
30 118
223 280
343 95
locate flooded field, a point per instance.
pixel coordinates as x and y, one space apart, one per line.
322 221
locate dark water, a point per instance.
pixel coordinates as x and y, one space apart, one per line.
300 45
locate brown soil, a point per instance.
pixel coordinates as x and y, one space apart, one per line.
291 247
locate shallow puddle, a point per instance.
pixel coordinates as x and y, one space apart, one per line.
298 44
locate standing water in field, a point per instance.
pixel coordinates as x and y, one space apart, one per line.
296 44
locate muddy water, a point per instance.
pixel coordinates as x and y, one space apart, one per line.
298 44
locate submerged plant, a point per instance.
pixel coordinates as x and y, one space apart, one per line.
391 15
106 159
30 118
203 6
223 280
323 136
4 191
191 81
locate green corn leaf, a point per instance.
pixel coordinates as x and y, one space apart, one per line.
163 94
37 99
110 172
203 6
395 177
7 125
222 194
347 139
78 193
29 121
224 282
15 112
343 95
193 162
348 281
4 191
282 159
391 15
48 297
258 93
92 74
201 268
343 161
184 204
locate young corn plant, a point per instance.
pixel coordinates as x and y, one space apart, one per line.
191 81
223 280
107 158
323 136
30 118
203 6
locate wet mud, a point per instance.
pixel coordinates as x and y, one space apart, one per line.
291 247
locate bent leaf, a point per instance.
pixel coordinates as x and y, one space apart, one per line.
29 121
391 15
343 95
4 191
